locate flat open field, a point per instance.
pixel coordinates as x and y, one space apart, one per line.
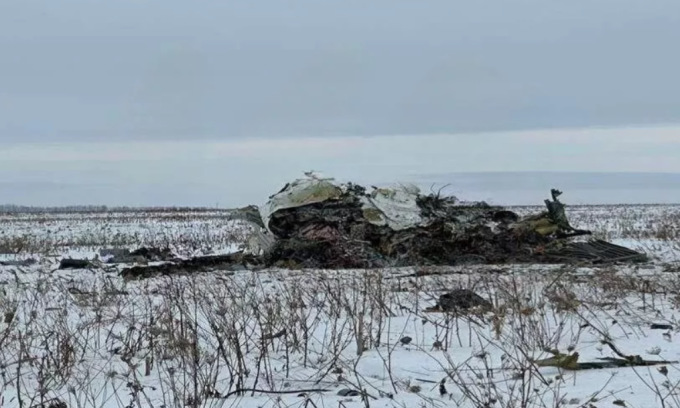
320 338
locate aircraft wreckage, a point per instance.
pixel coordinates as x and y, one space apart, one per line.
315 222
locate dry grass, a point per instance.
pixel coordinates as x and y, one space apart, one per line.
294 339
216 339
187 233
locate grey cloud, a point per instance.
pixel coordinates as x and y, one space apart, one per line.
154 70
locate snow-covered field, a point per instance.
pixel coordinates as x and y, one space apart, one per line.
54 235
318 338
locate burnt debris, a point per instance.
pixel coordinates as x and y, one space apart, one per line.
315 222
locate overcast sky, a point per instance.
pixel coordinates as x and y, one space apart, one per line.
134 95
235 172
159 69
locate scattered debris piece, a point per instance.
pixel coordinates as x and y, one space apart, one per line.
348 393
154 254
9 316
460 300
570 361
405 340
415 389
53 403
660 326
229 262
596 252
70 263
23 262
442 388
250 213
141 255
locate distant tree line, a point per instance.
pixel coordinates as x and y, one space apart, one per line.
14 209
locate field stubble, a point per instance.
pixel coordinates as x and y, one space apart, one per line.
311 338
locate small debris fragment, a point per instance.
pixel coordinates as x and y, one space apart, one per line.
405 340
9 316
229 262
56 403
348 393
461 300
140 255
660 326
442 388
24 262
69 263
154 254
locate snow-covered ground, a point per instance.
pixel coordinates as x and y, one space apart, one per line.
279 338
56 235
